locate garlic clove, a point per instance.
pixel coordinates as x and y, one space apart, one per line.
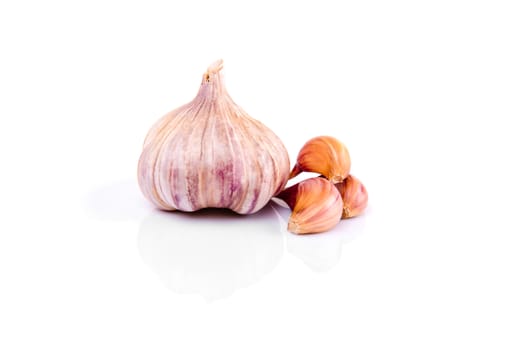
211 153
354 196
324 155
316 205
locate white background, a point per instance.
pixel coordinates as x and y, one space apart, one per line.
427 96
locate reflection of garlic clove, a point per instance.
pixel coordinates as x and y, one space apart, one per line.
315 203
354 196
324 155
210 153
319 252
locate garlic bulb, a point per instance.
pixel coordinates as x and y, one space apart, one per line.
210 153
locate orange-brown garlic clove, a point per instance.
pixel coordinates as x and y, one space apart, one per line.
354 196
316 205
324 155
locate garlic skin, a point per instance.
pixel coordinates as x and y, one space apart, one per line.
324 155
316 205
354 196
211 153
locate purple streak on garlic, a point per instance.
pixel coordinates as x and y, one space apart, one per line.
210 153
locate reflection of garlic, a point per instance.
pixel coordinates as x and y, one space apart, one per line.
212 252
354 195
319 252
324 155
210 153
315 203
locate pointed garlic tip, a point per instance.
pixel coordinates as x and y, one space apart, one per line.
315 203
216 66
213 69
324 155
354 196
289 196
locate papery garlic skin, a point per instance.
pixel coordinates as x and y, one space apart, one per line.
354 196
211 153
324 155
316 206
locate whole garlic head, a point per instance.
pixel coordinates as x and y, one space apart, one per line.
210 153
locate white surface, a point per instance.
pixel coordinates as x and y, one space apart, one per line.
427 96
